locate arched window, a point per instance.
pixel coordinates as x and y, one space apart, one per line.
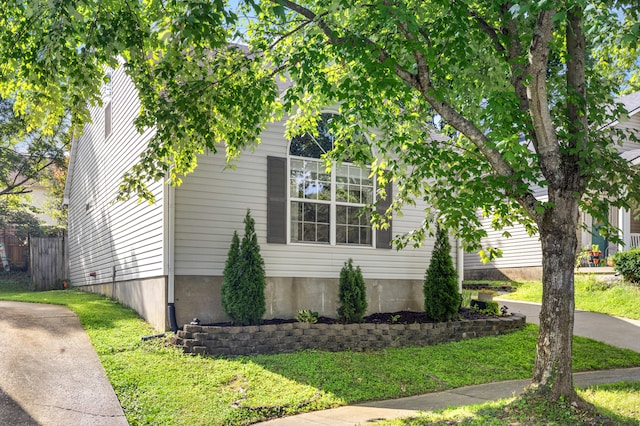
326 207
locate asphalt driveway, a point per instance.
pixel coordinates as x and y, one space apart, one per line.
49 372
620 332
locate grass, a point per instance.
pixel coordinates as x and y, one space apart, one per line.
616 404
158 384
618 299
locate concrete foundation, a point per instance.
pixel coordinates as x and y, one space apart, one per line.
199 296
148 297
528 273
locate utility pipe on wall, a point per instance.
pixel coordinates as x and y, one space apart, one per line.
460 263
171 307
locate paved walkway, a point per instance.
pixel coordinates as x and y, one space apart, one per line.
615 331
49 372
620 332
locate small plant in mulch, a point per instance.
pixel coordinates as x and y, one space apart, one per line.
307 315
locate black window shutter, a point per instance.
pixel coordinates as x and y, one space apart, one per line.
276 200
383 236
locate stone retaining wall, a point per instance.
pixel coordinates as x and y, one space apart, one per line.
291 337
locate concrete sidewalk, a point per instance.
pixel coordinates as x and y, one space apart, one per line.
370 412
615 331
49 372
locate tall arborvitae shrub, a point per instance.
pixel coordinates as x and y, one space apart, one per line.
244 281
351 294
441 294
230 278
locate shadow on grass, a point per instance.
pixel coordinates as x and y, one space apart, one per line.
535 409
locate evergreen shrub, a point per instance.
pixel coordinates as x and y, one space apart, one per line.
243 282
628 264
351 294
441 296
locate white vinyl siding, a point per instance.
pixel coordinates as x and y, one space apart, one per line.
519 250
104 233
212 202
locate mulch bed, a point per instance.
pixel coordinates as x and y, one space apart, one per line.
401 317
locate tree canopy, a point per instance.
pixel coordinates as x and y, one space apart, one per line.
523 91
27 156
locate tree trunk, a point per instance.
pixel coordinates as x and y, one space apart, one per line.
558 234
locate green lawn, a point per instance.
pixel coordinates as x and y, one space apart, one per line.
620 402
158 384
620 299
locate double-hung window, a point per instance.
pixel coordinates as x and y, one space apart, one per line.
326 206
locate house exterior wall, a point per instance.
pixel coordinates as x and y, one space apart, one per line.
112 241
522 254
212 202
126 250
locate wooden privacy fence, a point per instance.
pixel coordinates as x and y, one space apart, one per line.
15 250
48 256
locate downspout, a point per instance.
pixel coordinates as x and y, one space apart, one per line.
460 263
171 307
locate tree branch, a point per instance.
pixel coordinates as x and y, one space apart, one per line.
311 16
577 91
518 69
545 131
405 75
422 82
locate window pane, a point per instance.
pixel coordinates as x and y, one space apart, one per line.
309 212
323 233
353 235
341 215
342 193
341 234
354 194
310 222
367 195
365 236
342 173
323 213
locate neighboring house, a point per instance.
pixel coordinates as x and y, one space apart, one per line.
522 256
16 249
171 254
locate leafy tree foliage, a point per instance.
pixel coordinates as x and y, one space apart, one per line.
17 213
55 180
243 278
27 155
352 294
441 294
524 90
